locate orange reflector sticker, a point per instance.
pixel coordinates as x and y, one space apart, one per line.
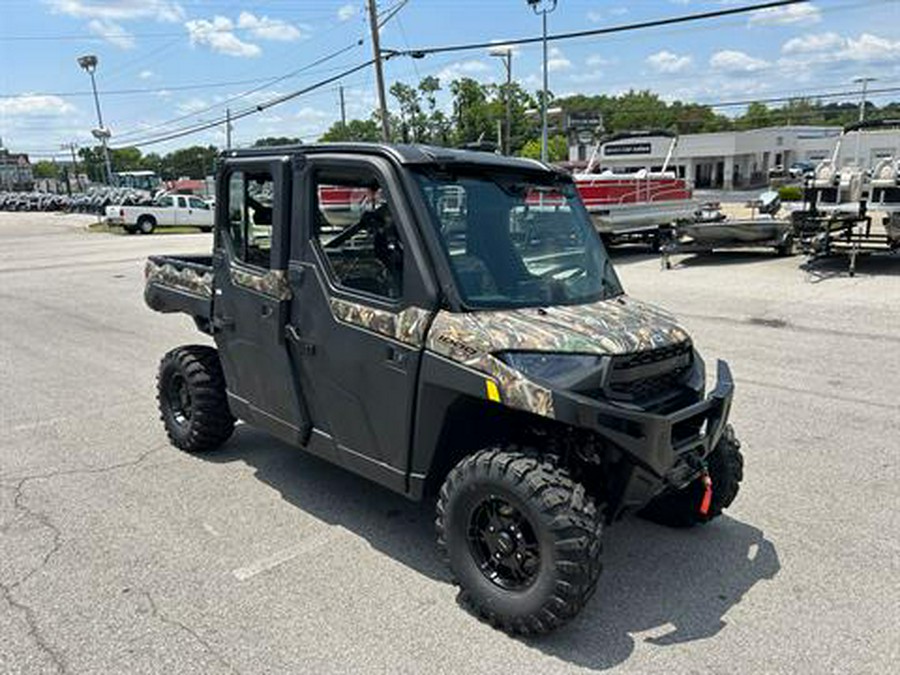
493 393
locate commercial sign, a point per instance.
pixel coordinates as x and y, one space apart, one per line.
626 149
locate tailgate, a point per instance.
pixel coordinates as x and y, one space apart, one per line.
180 284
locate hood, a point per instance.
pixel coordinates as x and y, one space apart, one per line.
617 325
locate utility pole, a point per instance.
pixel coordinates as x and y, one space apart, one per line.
379 74
864 81
543 7
228 128
71 147
343 109
505 52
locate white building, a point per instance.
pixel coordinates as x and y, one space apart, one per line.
735 159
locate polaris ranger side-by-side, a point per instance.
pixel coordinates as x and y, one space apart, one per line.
448 323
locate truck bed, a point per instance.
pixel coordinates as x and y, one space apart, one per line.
180 284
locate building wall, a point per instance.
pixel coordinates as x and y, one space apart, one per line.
736 159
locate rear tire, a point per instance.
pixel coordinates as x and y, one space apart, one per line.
521 537
681 508
146 224
192 399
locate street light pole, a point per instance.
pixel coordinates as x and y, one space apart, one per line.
506 54
543 7
88 63
864 81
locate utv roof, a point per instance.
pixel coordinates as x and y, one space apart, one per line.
404 154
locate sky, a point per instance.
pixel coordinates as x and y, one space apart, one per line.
168 64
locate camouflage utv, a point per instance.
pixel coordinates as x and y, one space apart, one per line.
447 323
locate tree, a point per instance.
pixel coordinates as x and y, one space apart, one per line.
355 130
471 117
45 169
412 120
271 141
557 148
193 162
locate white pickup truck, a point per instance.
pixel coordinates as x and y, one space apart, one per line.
165 211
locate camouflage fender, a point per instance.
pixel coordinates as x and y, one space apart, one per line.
273 283
407 326
614 326
186 279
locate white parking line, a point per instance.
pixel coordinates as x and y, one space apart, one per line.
308 545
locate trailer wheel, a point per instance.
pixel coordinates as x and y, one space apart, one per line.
192 400
146 224
521 537
786 248
681 508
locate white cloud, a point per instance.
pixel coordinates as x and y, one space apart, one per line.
112 32
462 69
145 74
119 10
34 104
870 48
775 16
347 12
733 61
809 51
191 105
598 15
218 36
813 42
557 61
595 60
668 62
264 28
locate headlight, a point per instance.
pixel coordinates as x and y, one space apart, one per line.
563 371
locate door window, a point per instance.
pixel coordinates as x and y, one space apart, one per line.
182 202
356 230
165 201
250 204
197 203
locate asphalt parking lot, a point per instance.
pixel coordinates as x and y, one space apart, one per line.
118 554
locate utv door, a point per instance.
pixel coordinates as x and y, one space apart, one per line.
252 296
359 312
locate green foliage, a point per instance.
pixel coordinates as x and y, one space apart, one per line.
645 110
790 193
45 169
557 148
356 130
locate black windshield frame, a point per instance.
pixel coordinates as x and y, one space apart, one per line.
601 283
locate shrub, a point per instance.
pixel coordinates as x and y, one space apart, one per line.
790 193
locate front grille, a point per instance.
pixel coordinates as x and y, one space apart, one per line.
652 376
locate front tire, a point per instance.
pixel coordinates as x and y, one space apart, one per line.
681 508
192 399
521 537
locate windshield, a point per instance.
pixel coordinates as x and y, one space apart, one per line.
517 240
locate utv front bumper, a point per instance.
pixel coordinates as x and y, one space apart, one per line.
662 450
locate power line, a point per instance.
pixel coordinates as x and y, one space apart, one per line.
253 110
653 23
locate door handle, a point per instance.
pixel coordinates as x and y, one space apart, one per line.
293 334
265 311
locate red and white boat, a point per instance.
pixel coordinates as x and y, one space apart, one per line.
635 204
